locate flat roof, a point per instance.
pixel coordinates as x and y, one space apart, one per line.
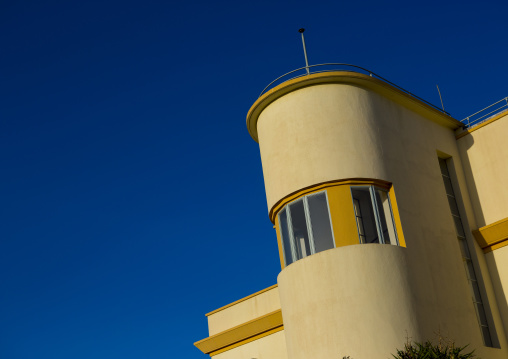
349 78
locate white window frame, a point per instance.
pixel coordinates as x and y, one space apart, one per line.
377 218
307 222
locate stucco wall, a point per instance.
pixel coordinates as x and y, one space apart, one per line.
272 346
336 131
485 156
244 311
360 301
497 262
297 150
355 300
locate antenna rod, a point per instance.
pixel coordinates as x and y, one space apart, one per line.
304 50
440 98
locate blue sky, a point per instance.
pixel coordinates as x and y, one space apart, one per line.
132 198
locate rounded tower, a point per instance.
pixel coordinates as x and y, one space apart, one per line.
335 152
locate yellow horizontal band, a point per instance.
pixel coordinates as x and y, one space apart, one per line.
495 246
253 329
251 339
477 127
493 236
352 79
314 188
241 300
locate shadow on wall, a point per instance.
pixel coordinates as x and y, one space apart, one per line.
502 301
468 142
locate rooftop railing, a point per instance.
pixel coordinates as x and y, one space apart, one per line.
485 114
313 69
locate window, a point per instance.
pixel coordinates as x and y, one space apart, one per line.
373 213
466 256
305 227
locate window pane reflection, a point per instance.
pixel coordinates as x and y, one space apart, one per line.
366 221
286 244
300 233
305 227
386 217
373 213
320 222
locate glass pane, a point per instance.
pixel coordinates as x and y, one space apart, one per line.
320 222
385 216
486 336
459 227
448 186
444 167
300 233
359 220
469 269
365 215
286 244
463 248
476 291
453 206
481 314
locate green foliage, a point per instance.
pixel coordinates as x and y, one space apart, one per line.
428 350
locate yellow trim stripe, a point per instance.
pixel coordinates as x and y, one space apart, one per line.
342 214
241 300
495 246
396 218
493 236
279 242
352 79
256 337
253 329
317 187
493 119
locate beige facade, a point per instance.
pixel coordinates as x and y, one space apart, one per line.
349 135
268 347
323 300
485 156
497 262
244 310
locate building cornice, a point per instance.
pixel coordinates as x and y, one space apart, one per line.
241 334
348 78
241 300
463 133
493 236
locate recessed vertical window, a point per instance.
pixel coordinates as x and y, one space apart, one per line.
305 227
466 255
373 213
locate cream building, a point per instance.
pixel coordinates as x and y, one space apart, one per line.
391 219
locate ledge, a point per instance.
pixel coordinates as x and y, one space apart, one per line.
348 78
242 334
463 133
493 236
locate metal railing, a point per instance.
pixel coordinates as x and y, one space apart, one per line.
480 116
337 67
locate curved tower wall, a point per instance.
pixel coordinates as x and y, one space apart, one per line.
332 311
318 134
339 126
